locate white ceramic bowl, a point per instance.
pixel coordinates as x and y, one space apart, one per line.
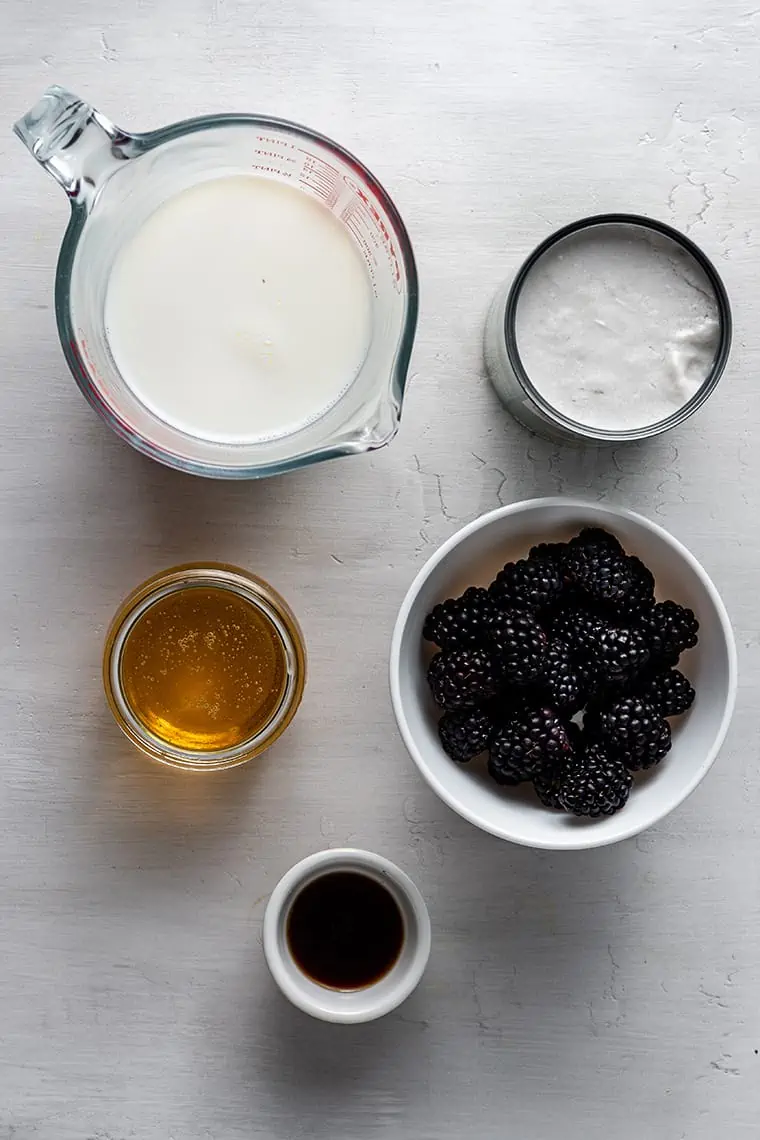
472 557
370 1002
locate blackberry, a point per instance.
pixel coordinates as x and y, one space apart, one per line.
519 644
596 536
463 677
594 782
465 733
632 730
551 550
509 702
531 584
528 746
669 693
639 599
599 573
661 662
619 654
580 629
646 753
546 785
547 782
601 691
562 680
670 628
458 622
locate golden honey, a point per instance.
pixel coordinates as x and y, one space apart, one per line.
204 666
203 669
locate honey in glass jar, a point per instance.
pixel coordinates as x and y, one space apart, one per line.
204 666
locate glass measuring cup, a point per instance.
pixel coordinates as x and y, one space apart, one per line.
115 180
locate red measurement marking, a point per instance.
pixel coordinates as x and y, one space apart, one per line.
273 140
276 155
95 393
316 179
379 222
312 158
271 169
355 225
321 178
88 357
325 193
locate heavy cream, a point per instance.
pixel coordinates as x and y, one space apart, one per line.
617 327
240 310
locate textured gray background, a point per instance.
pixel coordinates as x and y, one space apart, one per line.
608 993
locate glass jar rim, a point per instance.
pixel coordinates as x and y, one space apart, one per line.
249 588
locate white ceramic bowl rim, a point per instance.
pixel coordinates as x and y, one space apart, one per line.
569 505
373 1001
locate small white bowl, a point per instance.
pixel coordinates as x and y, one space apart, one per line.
348 1006
472 557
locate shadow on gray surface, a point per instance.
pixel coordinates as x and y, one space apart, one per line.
139 813
319 1075
533 466
184 517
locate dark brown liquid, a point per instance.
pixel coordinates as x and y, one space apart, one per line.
345 930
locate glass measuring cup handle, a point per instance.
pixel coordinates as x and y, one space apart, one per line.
75 143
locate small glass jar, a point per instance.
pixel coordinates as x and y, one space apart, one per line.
505 365
204 666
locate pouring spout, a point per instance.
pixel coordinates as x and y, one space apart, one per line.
74 142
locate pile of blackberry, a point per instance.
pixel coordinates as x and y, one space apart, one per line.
564 671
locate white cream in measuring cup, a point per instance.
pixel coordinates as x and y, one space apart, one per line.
240 310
